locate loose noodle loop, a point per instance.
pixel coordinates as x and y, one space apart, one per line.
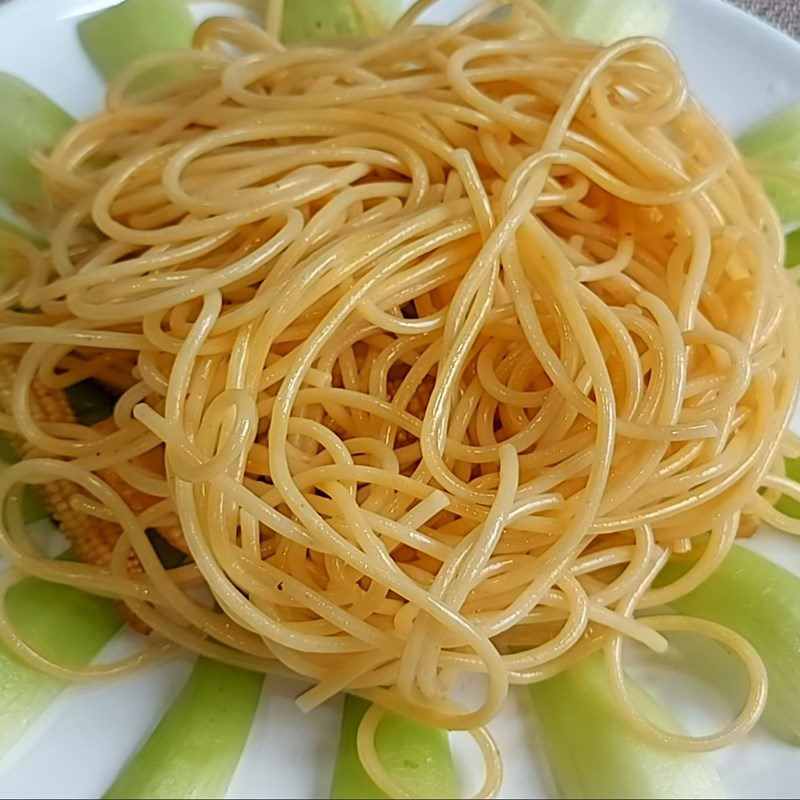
430 350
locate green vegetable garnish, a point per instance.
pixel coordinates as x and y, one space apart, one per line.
65 625
7 453
33 507
593 752
773 146
120 35
760 601
607 21
305 20
793 251
196 746
417 757
788 505
29 121
9 226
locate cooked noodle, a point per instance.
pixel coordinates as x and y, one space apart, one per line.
433 348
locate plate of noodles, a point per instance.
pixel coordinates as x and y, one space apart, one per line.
398 400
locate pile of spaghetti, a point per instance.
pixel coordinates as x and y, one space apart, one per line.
429 351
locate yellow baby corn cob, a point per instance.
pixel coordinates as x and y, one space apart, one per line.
93 539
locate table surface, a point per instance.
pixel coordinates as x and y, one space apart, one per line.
783 14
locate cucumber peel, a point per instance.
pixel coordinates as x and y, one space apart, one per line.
124 33
788 505
306 20
593 752
417 756
194 750
29 122
793 252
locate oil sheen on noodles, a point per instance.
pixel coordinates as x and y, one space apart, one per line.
433 348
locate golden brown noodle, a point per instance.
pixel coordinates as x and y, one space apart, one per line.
444 343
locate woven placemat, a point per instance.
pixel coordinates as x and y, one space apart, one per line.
783 14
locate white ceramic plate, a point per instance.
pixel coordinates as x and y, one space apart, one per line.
741 70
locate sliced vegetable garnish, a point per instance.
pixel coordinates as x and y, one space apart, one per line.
8 226
33 507
25 693
120 35
760 601
773 147
305 20
197 745
7 453
788 505
29 121
593 752
66 626
793 249
416 756
607 21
